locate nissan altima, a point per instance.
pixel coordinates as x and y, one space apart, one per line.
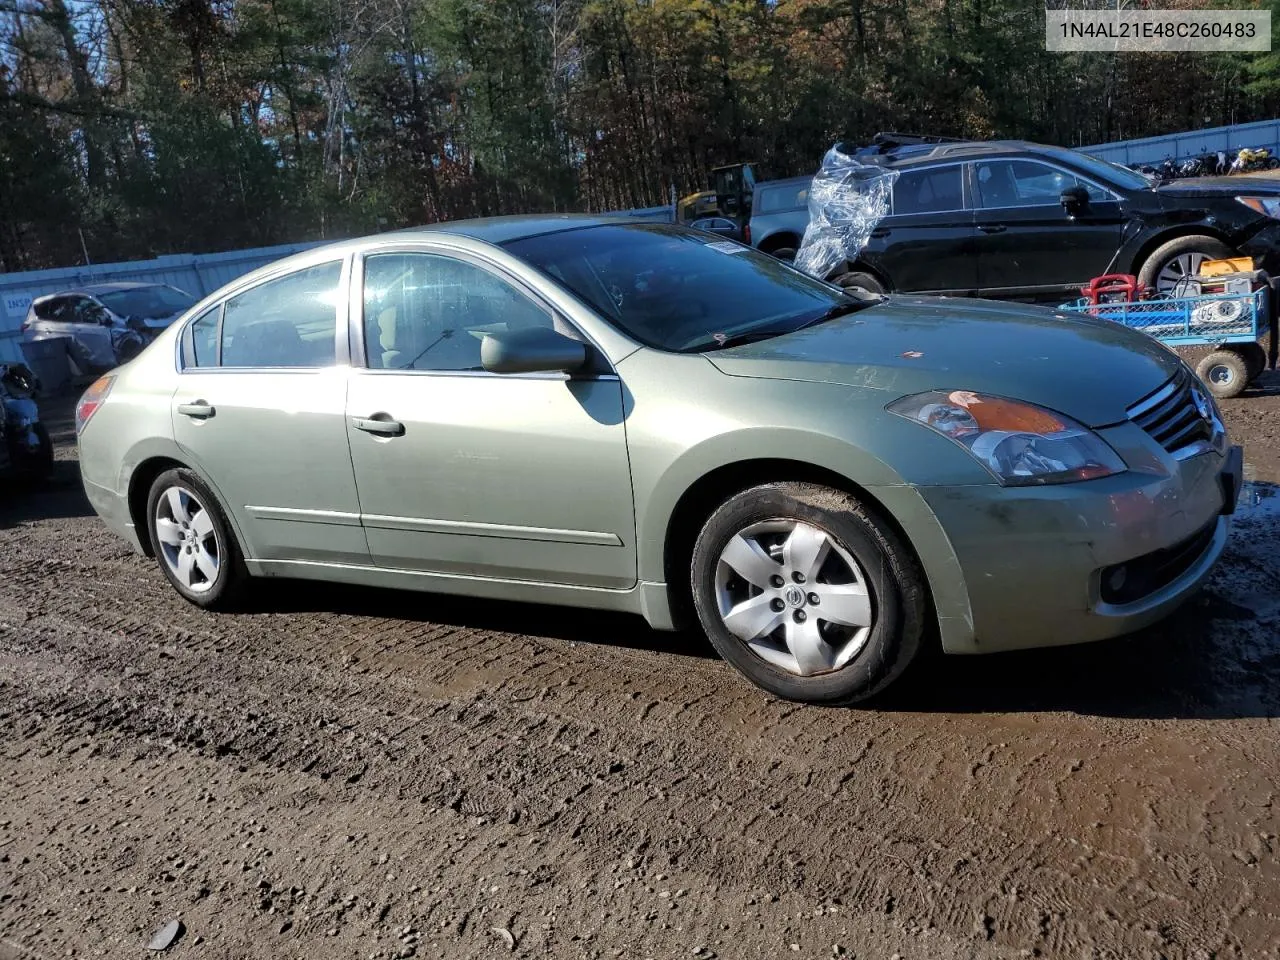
646 418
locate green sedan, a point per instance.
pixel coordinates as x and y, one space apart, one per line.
646 418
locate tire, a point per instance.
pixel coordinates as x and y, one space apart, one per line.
1273 163
845 660
1180 257
227 586
784 253
128 349
858 280
1225 373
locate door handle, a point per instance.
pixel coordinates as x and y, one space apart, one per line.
200 410
879 232
379 424
993 228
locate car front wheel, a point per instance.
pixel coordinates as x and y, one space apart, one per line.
1181 257
193 541
808 593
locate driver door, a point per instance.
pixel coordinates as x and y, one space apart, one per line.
1027 244
467 473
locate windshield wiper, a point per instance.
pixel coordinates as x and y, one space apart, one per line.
754 336
837 310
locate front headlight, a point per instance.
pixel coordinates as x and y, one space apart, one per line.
1267 206
1018 442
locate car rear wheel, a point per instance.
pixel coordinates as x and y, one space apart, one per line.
1225 373
859 280
1181 257
784 253
193 542
808 593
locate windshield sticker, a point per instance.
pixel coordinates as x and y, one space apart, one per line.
726 246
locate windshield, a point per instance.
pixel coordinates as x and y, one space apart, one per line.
1106 171
678 290
146 302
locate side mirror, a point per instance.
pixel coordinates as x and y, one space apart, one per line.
1074 199
533 350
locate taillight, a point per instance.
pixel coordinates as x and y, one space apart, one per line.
746 234
93 398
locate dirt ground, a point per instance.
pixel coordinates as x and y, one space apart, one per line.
355 773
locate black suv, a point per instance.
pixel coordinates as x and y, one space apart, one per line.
1015 220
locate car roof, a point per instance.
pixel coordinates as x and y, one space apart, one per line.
500 230
914 154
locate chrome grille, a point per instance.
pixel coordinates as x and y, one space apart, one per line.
1171 417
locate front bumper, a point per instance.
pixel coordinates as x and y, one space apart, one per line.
1034 559
1264 247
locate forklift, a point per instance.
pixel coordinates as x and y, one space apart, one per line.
727 199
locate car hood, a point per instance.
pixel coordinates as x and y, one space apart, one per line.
1089 369
1220 187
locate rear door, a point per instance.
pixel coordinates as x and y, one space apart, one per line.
259 409
926 243
1027 243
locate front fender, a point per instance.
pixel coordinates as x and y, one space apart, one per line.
678 434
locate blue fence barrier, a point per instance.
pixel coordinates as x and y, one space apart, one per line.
1190 143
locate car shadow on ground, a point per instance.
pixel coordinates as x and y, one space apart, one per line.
1217 657
1193 665
60 496
570 624
1204 662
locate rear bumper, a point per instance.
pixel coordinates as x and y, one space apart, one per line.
114 511
1034 559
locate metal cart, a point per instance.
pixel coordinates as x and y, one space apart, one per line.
1224 332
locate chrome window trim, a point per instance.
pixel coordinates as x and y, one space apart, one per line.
340 347
965 192
430 247
1113 197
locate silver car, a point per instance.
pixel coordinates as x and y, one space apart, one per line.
642 417
108 323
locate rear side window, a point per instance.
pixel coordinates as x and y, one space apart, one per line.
47 309
791 197
929 191
290 321
204 338
1025 183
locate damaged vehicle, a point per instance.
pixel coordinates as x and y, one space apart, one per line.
1021 221
646 418
108 323
26 450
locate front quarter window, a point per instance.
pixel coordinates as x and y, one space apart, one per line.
675 289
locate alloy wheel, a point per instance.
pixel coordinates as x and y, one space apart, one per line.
794 596
187 540
1183 265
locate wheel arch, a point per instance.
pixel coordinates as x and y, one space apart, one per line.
1152 244
861 266
779 240
140 481
144 474
707 492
